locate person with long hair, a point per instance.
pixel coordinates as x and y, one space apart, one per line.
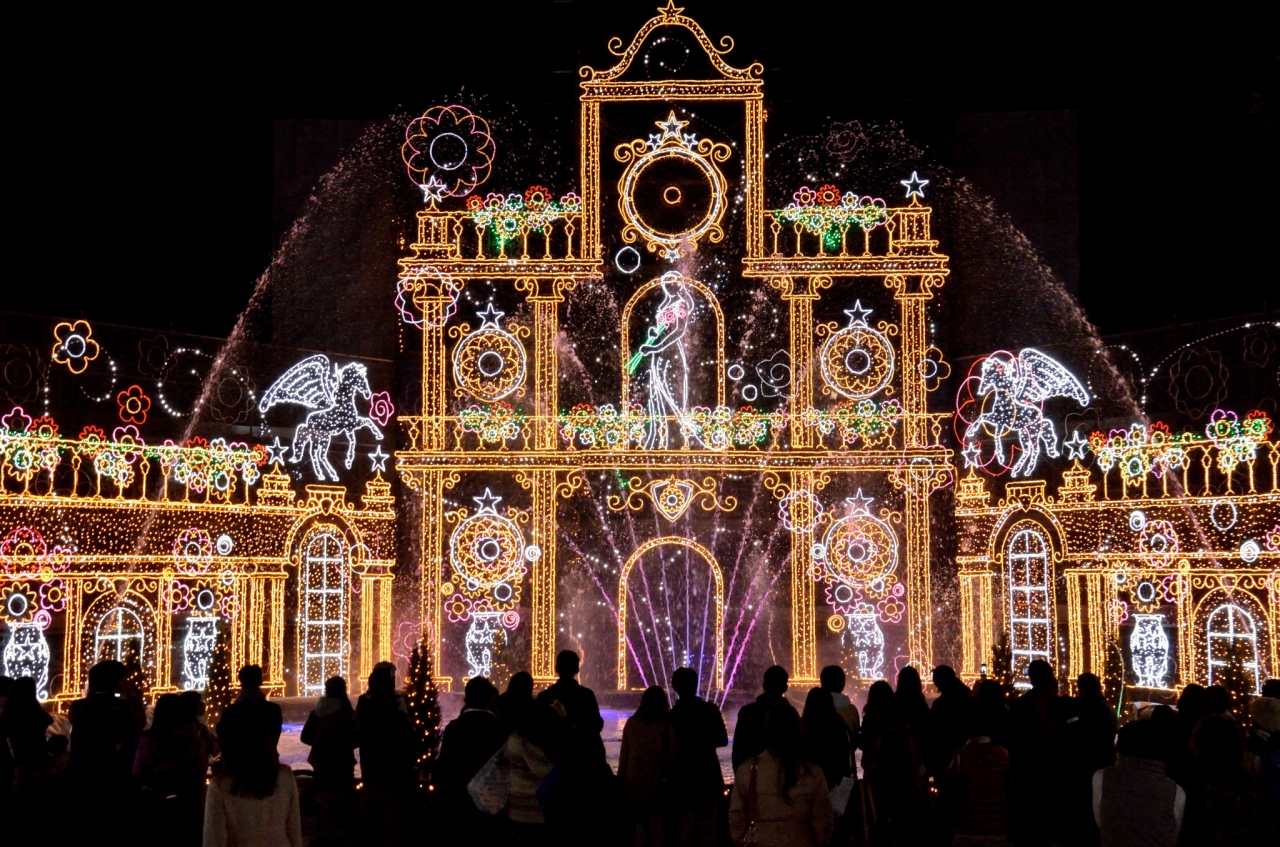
879 714
897 807
780 796
22 729
170 768
254 799
514 702
330 731
826 736
913 711
644 765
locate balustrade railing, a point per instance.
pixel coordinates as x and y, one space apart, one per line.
458 236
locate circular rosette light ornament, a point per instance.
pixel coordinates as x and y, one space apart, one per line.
18 604
193 551
1159 542
489 363
860 550
487 552
800 510
857 361
448 152
74 346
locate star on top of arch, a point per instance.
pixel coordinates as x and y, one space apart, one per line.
671 126
671 9
487 501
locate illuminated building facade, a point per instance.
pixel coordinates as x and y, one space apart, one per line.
680 447
1164 555
116 543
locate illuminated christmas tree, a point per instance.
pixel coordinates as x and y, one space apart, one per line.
424 707
500 669
1001 668
217 691
1238 674
1113 673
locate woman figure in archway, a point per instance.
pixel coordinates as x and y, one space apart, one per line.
667 366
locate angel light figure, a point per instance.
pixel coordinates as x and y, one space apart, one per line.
331 390
668 369
1019 386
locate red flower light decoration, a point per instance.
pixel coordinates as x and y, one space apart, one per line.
134 405
828 195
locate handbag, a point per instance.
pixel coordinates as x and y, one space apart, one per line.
752 802
490 788
840 795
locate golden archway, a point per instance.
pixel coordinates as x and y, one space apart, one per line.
707 557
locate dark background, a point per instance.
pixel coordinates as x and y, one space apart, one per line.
159 173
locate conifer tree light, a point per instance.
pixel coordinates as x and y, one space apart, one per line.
424 708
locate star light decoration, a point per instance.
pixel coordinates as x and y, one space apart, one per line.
276 451
1077 447
488 502
972 455
858 314
489 317
915 185
379 459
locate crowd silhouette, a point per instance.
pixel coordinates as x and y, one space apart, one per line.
954 765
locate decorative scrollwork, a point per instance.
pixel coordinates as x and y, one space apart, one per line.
672 496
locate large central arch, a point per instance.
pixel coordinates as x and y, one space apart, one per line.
718 577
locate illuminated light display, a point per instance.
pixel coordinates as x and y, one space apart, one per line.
74 346
514 216
490 363
1149 647
330 390
170 543
828 214
665 433
914 185
448 152
857 361
1138 549
652 165
1004 395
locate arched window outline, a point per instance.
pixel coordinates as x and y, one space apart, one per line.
1249 633
1028 554
117 617
323 589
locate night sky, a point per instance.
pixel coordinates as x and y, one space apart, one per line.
1141 168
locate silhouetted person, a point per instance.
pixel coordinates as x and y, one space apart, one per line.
104 731
515 701
897 809
697 783
22 728
950 718
991 711
469 741
644 766
1193 706
1031 764
748 732
330 731
1263 740
779 789
913 712
1133 801
387 757
1097 723
254 798
878 715
170 767
6 758
980 771
1225 806
832 679
251 705
579 702
826 736
1220 702
529 766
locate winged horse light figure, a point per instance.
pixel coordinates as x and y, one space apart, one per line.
1020 385
330 390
